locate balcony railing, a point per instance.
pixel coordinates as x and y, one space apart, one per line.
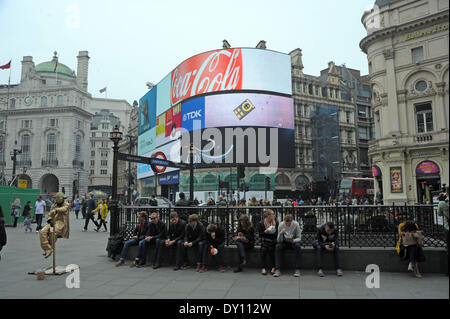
23 163
77 163
423 138
49 162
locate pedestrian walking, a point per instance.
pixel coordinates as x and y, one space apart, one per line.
102 213
39 208
89 214
27 223
26 209
83 207
77 207
15 211
2 230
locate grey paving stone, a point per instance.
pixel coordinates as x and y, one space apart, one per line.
317 294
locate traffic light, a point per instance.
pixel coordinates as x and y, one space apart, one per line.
267 183
241 171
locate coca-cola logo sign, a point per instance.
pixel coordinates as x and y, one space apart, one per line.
207 72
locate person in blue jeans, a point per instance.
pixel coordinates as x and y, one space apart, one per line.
194 237
327 240
289 237
156 234
245 240
138 238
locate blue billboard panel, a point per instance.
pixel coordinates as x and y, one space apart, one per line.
193 110
147 111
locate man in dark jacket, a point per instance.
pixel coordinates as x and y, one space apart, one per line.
138 238
156 234
2 230
177 229
182 212
327 240
194 236
215 245
91 205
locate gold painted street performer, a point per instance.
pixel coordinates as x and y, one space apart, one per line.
58 221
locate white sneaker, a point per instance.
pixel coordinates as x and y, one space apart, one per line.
297 273
277 273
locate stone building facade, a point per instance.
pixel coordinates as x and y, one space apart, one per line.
47 116
407 47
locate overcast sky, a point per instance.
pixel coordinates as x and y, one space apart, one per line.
134 42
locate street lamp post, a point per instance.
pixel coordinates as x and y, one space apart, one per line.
191 173
116 137
14 154
130 146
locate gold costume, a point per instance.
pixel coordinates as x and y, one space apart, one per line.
59 214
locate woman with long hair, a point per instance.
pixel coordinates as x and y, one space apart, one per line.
245 240
268 230
409 245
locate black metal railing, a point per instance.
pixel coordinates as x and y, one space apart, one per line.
49 162
76 163
358 226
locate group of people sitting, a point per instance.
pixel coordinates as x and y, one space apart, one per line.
209 242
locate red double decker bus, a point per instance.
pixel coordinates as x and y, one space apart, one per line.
356 187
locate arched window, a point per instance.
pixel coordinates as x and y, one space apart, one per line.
282 180
60 101
43 101
51 147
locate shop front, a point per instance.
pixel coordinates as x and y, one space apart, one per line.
428 180
169 184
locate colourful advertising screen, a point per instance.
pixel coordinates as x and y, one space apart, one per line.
396 179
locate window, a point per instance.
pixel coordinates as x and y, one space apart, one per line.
43 101
310 89
362 111
417 54
2 150
424 116
103 172
93 144
105 134
105 144
297 85
104 162
53 122
27 123
59 100
78 124
104 154
93 134
347 114
317 90
92 153
51 147
349 135
2 125
421 86
378 124
26 147
92 162
362 132
78 147
105 126
91 172
12 103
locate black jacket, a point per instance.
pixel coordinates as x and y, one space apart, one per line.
157 230
26 210
2 233
249 234
194 235
324 239
267 239
177 231
141 234
182 202
219 240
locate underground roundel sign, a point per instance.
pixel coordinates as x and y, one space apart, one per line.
156 168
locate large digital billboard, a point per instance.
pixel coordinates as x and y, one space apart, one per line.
234 106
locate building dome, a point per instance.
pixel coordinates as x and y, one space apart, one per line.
49 67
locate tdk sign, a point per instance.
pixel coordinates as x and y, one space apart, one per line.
193 110
192 115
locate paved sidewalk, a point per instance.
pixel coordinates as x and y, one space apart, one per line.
100 279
